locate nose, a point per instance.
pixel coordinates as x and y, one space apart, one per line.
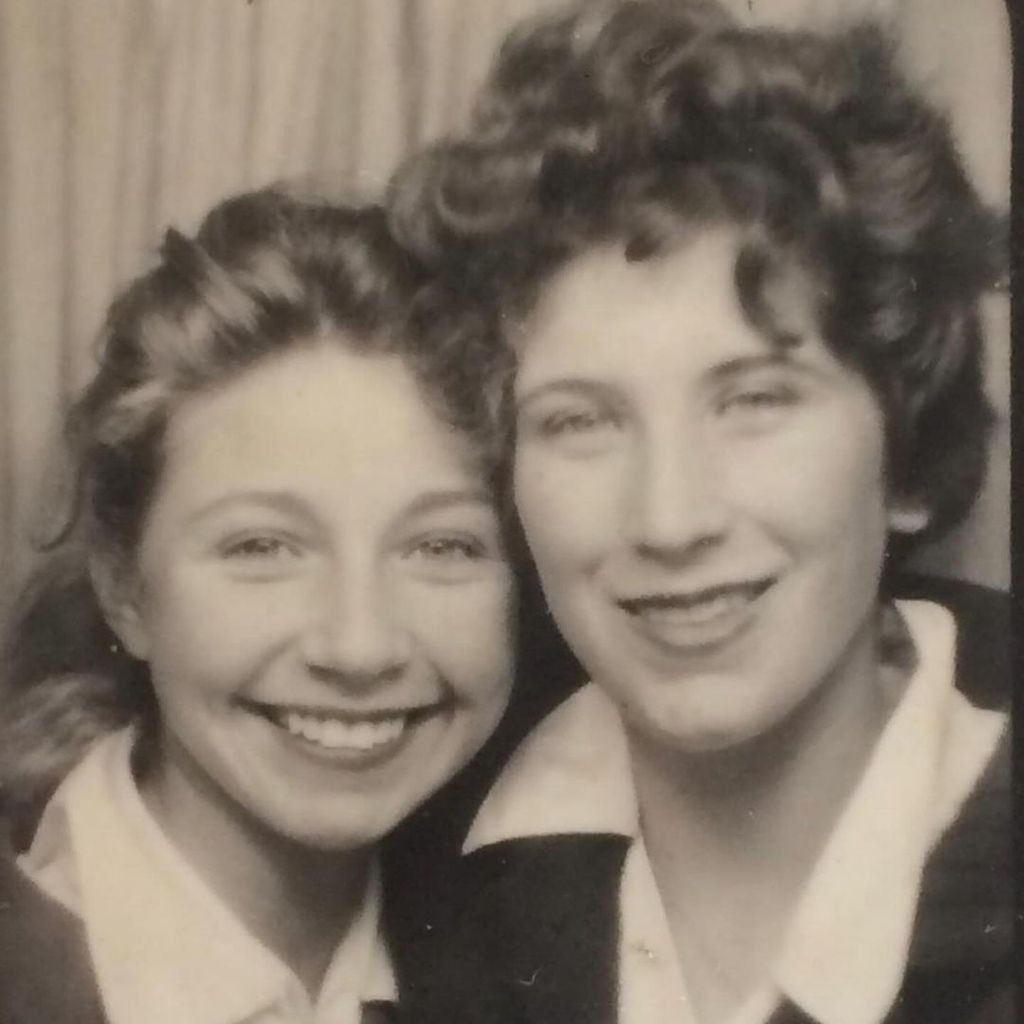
677 504
354 635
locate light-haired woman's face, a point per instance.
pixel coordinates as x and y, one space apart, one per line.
707 510
323 599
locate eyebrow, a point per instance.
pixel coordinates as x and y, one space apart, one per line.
276 501
432 501
758 361
288 504
561 385
782 356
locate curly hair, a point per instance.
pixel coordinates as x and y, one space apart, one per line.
638 123
266 272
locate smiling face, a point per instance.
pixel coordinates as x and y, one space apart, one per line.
707 509
322 597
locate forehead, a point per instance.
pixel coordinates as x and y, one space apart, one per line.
714 292
319 418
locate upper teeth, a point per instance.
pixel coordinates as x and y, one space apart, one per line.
700 611
336 734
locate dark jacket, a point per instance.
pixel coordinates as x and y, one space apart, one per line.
46 976
526 931
45 973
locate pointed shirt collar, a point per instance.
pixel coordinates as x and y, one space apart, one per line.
846 948
164 948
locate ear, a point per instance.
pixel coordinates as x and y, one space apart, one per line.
908 516
117 587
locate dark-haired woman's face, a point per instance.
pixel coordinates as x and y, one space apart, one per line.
707 510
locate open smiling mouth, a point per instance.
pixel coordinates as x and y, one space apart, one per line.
346 732
696 618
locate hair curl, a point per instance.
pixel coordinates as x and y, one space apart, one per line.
267 271
636 123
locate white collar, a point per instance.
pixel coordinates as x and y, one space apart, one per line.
164 948
845 952
571 775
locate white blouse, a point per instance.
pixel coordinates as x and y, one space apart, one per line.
844 954
165 949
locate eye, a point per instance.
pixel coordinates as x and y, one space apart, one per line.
760 402
255 547
445 556
581 421
449 548
259 555
259 546
571 426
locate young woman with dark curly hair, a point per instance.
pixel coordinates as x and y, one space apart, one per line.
288 604
737 272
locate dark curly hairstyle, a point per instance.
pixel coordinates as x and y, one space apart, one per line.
636 123
266 272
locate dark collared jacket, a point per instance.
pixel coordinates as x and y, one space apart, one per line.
526 931
45 973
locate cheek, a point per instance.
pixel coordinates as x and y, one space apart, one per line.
571 511
466 632
206 630
823 484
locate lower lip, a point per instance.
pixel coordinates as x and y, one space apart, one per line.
679 633
353 758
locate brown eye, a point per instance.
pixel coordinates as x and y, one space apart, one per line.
259 547
759 400
575 422
261 556
572 429
449 548
450 558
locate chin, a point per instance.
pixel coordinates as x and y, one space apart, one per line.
331 829
696 735
328 837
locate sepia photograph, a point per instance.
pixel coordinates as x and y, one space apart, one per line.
505 512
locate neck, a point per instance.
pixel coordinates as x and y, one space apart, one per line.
768 800
298 901
733 834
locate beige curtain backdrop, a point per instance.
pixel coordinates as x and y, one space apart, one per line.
119 117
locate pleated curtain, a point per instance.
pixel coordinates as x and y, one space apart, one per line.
120 117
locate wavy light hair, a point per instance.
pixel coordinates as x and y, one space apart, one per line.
266 272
